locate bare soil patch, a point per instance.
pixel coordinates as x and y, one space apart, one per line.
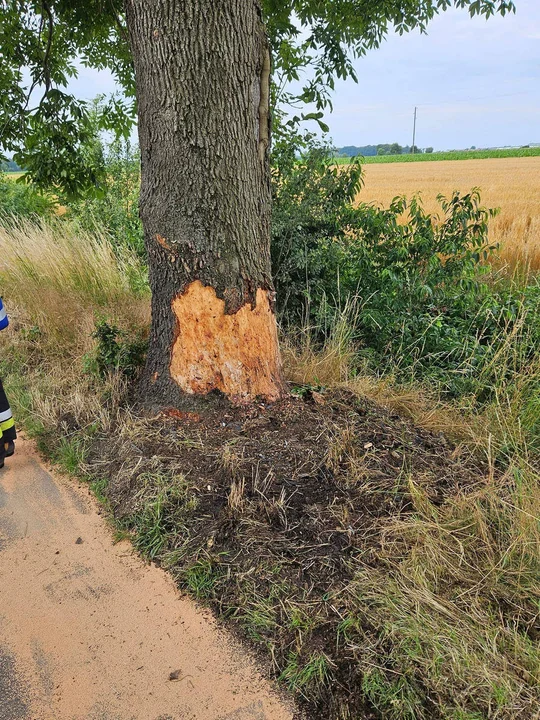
268 512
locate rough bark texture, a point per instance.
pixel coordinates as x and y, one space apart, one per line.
202 73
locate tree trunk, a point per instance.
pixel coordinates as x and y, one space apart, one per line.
202 71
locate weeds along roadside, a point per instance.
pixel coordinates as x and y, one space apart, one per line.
59 284
419 305
440 623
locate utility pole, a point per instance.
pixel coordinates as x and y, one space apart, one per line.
414 132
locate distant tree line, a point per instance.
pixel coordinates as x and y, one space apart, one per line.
10 166
381 149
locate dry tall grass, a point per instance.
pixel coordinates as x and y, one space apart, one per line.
56 282
456 606
513 184
337 365
61 279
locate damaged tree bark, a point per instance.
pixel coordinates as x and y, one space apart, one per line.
202 75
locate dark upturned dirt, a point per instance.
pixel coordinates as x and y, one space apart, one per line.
266 512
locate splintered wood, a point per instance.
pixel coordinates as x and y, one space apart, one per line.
236 354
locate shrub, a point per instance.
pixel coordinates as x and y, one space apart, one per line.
23 200
424 299
115 351
311 203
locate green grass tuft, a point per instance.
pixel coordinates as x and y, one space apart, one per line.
310 676
201 578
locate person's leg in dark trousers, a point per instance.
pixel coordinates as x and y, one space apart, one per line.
7 427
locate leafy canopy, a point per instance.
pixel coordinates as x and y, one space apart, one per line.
44 42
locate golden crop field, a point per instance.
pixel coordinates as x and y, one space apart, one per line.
14 175
512 184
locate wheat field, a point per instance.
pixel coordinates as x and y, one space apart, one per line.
511 184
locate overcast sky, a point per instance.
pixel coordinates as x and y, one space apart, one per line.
475 82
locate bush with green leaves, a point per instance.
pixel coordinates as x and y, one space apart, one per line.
115 351
426 300
311 203
19 199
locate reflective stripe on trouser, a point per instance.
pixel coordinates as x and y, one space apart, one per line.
7 424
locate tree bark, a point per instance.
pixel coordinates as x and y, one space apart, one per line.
202 70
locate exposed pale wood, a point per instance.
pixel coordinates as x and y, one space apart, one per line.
233 353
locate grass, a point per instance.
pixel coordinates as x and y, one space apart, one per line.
63 279
434 615
158 508
310 367
310 676
455 603
449 155
56 283
429 611
70 453
512 184
200 579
